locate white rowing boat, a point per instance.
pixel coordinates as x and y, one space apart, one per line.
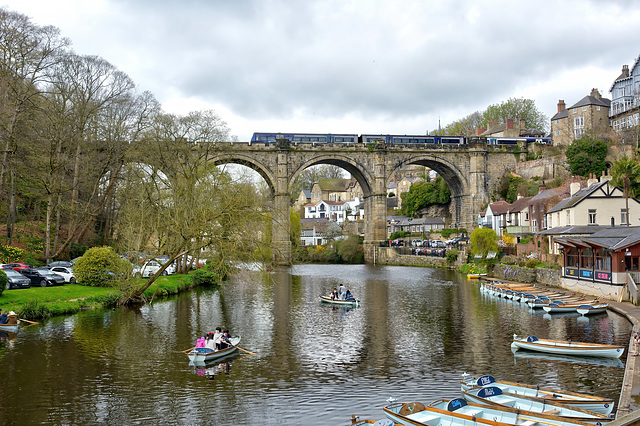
13 328
540 394
340 302
592 309
459 412
563 347
200 356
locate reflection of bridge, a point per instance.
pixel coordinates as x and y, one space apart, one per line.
472 172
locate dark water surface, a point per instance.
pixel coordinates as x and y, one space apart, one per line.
417 330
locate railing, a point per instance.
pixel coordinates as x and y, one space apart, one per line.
519 229
632 279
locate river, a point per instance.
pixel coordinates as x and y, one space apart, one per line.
417 330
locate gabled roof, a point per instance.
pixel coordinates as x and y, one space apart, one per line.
591 100
548 194
579 196
307 193
499 207
572 230
562 114
519 204
615 238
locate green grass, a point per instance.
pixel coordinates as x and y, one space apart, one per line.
36 302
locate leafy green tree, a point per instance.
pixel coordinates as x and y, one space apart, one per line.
517 107
587 155
3 280
424 194
351 249
101 267
483 241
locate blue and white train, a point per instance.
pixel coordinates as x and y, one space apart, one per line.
328 138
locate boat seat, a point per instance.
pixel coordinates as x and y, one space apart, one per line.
423 417
471 412
552 412
504 400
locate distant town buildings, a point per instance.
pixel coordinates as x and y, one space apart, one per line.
590 113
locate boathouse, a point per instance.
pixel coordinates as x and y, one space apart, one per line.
602 264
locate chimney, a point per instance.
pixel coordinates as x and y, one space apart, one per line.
561 105
574 187
509 123
523 124
625 71
480 130
595 93
490 124
592 179
542 187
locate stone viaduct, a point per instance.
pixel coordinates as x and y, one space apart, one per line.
472 171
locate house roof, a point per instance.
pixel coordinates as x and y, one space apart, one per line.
329 203
562 114
307 193
499 207
615 238
591 100
576 198
327 184
572 230
561 191
520 204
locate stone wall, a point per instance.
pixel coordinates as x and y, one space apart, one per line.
551 277
389 256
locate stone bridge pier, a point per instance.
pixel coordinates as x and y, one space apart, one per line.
472 172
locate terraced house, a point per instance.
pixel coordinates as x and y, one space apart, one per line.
624 113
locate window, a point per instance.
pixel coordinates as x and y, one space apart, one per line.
592 217
584 108
557 133
623 216
568 217
578 125
572 257
586 258
575 110
603 260
598 108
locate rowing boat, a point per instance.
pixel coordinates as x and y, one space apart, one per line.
205 355
13 328
563 347
592 309
540 394
546 358
459 412
341 302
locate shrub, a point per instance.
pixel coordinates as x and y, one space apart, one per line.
3 281
452 256
204 276
351 249
531 263
101 267
10 254
509 260
398 234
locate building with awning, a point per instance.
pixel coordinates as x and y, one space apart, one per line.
603 263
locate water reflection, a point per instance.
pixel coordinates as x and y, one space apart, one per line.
414 334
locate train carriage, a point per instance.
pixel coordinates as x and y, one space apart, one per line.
296 138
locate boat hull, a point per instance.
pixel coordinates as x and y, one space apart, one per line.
10 328
201 356
567 347
339 302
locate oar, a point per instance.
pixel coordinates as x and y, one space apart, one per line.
30 322
244 350
188 350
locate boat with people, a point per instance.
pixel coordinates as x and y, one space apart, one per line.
9 322
205 355
460 412
494 396
540 394
341 298
569 347
10 328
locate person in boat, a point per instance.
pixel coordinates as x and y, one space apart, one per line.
348 295
341 291
200 342
334 294
225 340
3 317
214 339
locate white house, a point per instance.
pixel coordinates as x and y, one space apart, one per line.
332 210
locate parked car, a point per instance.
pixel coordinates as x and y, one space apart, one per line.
171 269
64 263
42 277
66 273
437 244
16 280
16 266
148 268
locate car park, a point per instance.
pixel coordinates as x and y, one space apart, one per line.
437 244
42 277
16 280
66 273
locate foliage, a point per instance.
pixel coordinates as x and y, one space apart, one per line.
509 240
295 228
473 268
3 280
531 263
483 241
509 260
424 194
101 267
351 249
512 185
10 254
205 276
398 234
76 250
512 108
627 170
452 256
525 240
448 232
587 155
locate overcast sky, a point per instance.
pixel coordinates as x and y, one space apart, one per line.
341 66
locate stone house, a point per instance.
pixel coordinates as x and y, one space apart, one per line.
332 210
590 113
303 199
336 190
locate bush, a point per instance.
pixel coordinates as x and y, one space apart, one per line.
3 280
204 276
351 249
452 256
101 267
509 260
10 254
398 234
531 263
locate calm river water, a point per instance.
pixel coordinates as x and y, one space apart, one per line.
417 330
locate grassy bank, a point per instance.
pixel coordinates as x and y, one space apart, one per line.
37 303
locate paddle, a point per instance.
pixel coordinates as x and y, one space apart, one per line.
188 350
30 322
244 350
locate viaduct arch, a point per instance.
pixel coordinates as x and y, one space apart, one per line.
472 172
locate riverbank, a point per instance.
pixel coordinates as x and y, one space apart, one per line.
38 303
